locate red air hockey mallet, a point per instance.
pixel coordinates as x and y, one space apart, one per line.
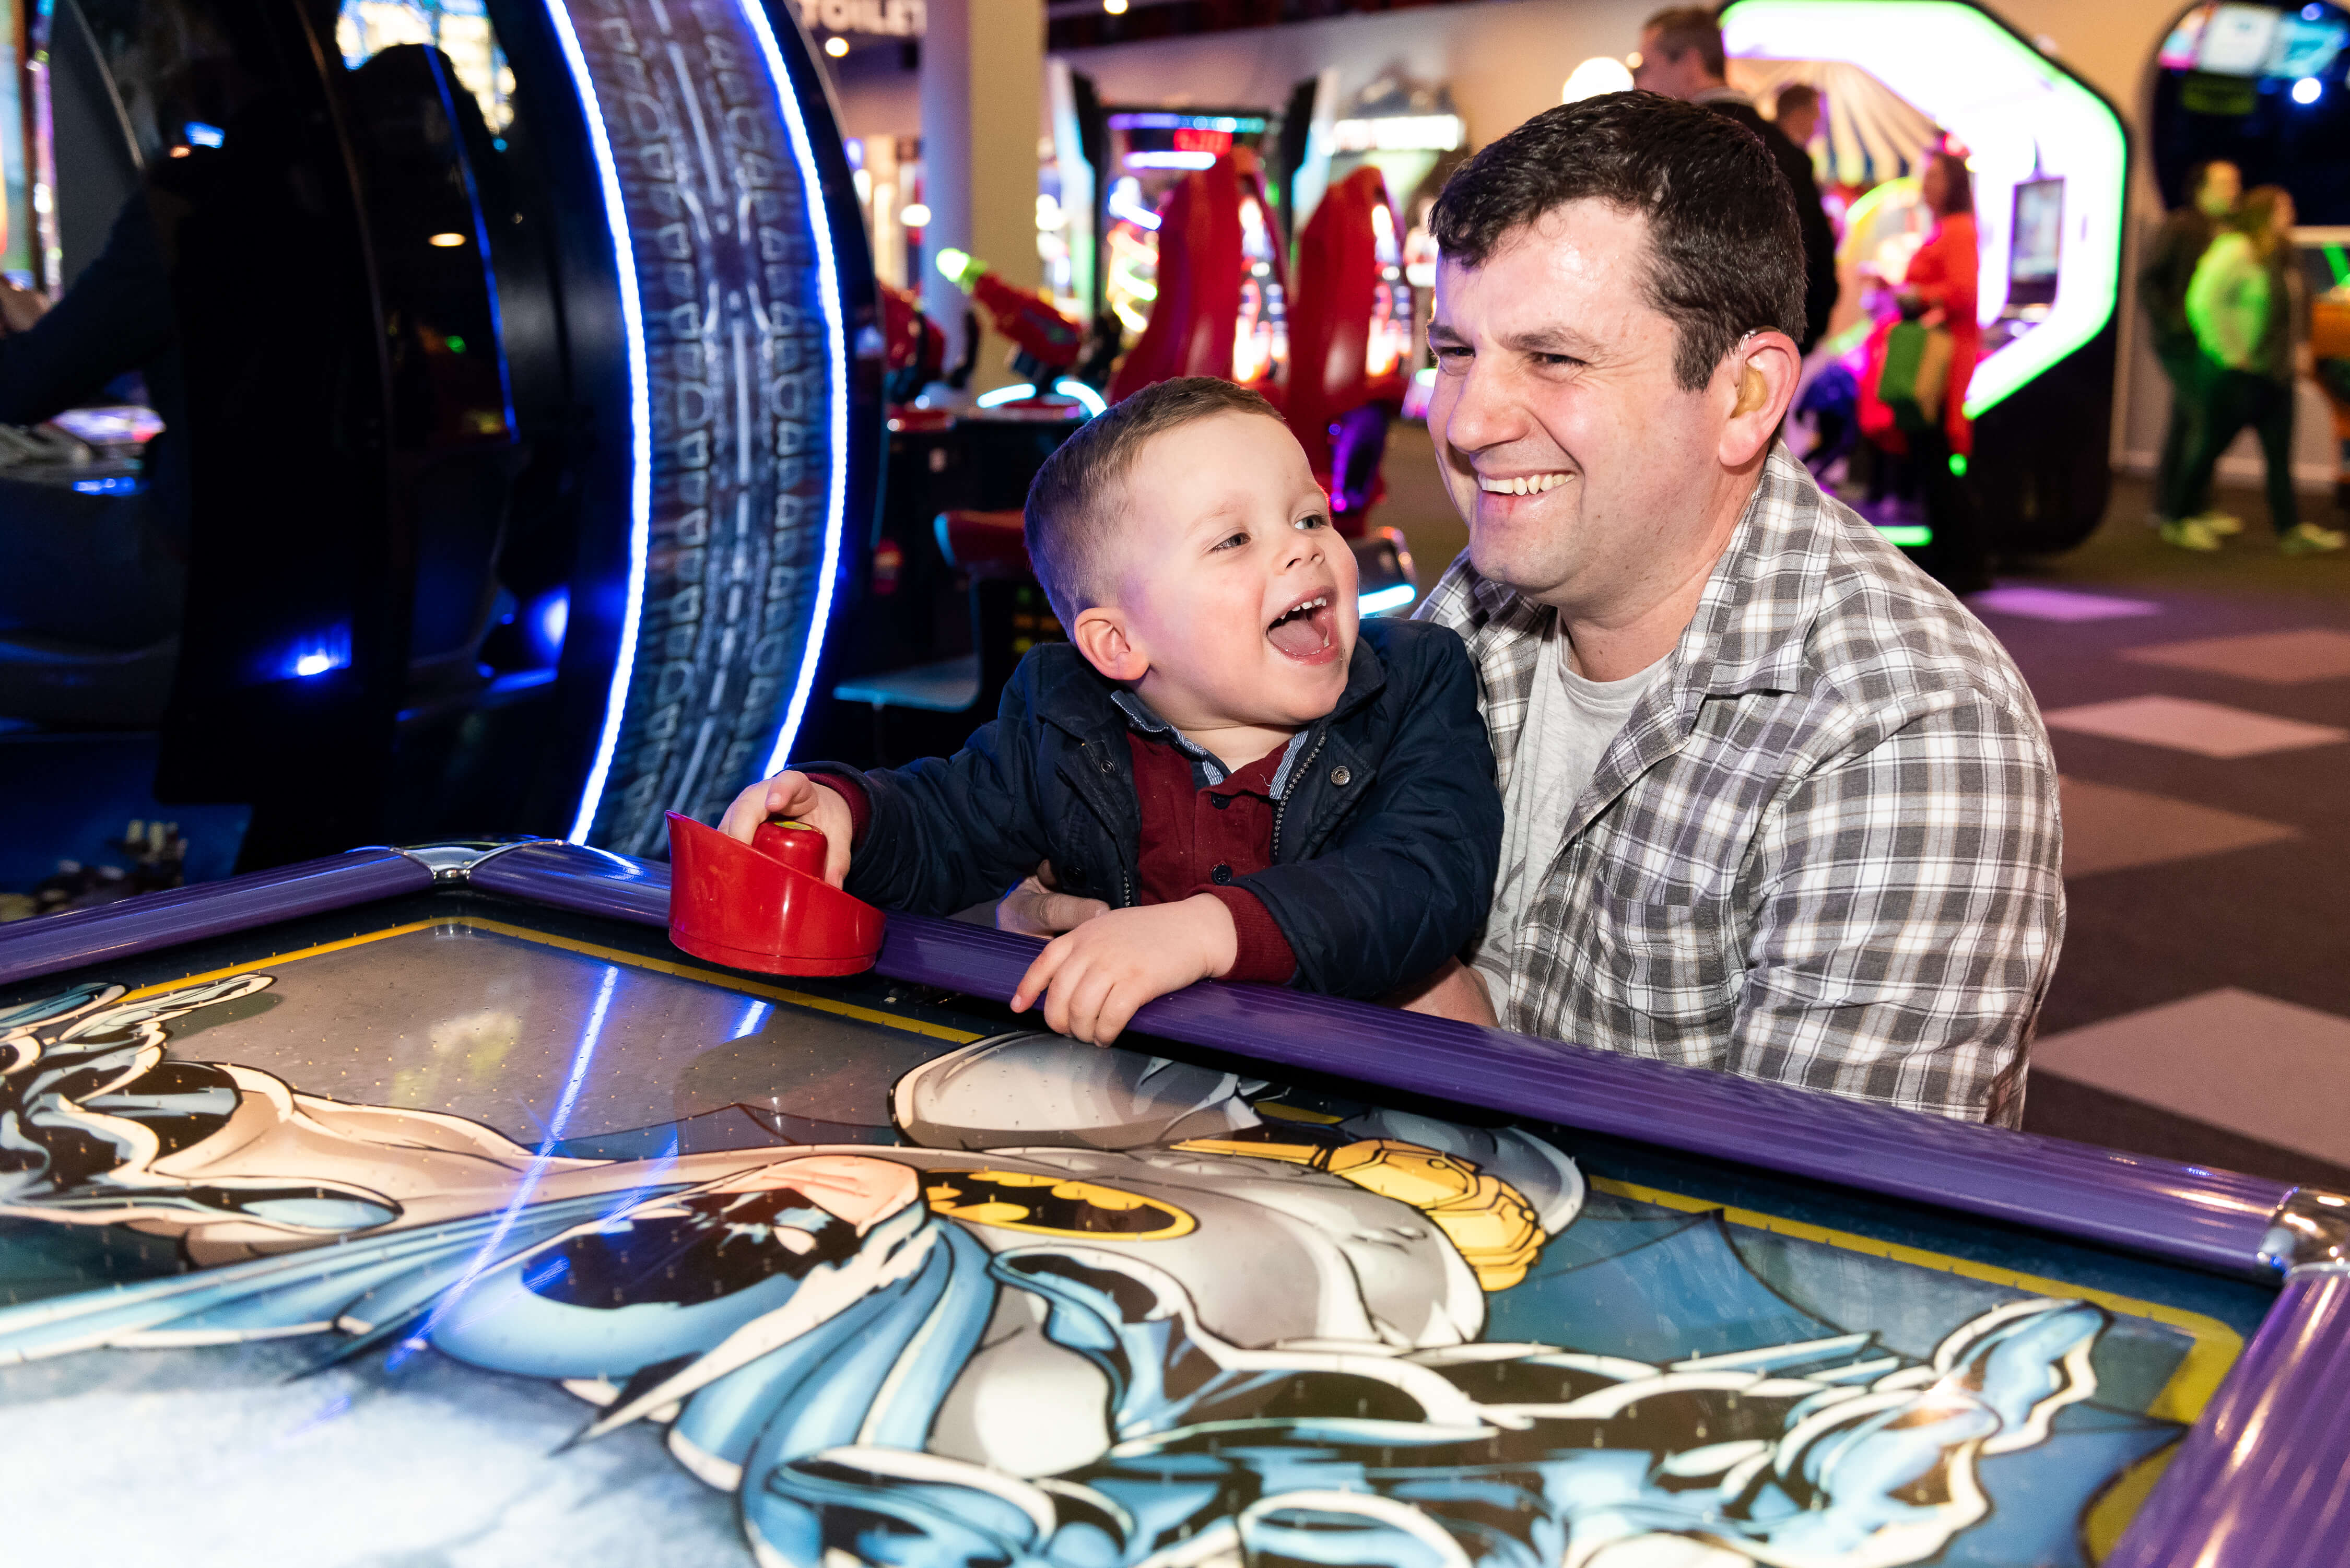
764 905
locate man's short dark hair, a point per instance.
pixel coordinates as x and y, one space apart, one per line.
1074 502
1725 257
1686 27
1795 96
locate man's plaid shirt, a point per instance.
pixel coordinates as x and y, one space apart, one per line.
1823 851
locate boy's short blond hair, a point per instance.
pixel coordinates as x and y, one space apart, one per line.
1073 510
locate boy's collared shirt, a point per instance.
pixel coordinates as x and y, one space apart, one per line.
1824 848
1204 828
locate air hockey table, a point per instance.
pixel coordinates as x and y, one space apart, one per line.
428 1206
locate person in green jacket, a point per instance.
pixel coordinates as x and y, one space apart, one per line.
2247 309
2213 190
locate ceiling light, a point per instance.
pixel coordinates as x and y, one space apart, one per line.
449 241
836 46
914 215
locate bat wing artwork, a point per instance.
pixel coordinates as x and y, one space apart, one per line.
1092 1309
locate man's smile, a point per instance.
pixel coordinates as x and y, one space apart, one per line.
1521 484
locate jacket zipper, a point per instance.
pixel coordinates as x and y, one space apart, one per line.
1296 777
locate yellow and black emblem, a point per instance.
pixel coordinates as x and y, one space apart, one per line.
1053 1205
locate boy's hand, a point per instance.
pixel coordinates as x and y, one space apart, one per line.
1037 906
1100 972
799 798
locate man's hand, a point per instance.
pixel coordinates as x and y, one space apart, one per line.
1094 977
798 798
1037 908
1455 991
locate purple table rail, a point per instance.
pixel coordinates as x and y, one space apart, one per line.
2264 1478
2211 1218
2262 1481
152 920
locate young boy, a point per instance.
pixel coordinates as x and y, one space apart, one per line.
1226 776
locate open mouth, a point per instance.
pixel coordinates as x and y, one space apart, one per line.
1521 484
1304 630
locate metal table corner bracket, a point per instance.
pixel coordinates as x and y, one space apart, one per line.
456 861
2309 1233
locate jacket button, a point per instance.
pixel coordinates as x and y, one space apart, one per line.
1222 801
1222 876
1340 776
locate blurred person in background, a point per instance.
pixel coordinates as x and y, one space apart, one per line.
109 571
2213 190
1797 112
1939 291
1680 56
2248 310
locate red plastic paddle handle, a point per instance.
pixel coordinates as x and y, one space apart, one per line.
764 905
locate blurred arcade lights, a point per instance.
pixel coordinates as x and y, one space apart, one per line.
1600 74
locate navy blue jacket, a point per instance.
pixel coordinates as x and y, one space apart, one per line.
1385 844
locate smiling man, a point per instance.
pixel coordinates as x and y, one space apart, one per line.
1775 803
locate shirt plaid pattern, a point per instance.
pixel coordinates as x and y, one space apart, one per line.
1824 849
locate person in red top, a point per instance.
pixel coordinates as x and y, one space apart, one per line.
1940 290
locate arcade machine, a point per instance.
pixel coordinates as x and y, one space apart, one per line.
2266 88
2050 161
614 1224
1220 296
1351 342
1353 321
528 447
1222 309
951 605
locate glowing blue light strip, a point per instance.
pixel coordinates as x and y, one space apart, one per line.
493 1250
1002 395
836 332
640 420
1084 397
1386 598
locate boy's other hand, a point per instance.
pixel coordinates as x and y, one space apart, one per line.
1094 977
795 797
1037 908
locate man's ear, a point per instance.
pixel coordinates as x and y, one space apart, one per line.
1762 370
1102 635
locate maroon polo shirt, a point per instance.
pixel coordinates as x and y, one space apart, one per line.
1194 840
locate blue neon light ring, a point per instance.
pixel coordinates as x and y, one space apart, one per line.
641 420
836 507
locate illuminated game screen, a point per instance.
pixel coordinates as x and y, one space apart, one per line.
2039 245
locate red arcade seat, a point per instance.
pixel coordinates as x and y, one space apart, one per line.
1223 307
1350 342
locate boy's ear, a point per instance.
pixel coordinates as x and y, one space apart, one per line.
1102 636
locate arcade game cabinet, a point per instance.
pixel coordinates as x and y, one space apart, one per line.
1222 309
2050 160
533 377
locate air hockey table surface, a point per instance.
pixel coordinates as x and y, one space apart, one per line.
428 1206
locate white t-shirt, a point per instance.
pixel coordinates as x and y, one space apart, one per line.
1570 724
